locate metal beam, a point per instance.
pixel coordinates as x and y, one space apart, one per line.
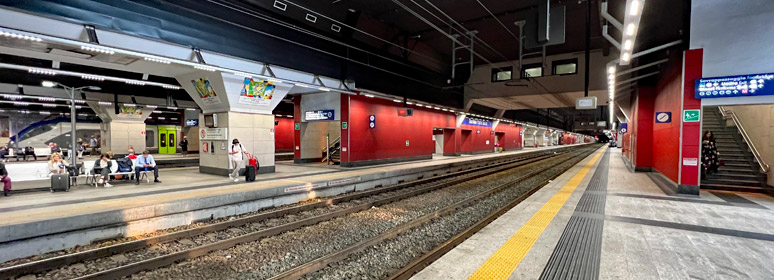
636 78
655 49
641 67
617 24
609 38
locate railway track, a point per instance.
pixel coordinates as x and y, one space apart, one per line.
127 258
348 262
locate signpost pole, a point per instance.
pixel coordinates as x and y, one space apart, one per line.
73 158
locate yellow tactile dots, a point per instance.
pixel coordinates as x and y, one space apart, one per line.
505 260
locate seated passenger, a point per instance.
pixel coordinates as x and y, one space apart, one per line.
5 179
146 163
130 153
29 151
102 167
57 165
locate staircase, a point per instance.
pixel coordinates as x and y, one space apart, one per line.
335 149
741 171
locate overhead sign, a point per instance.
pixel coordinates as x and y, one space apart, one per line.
691 115
734 86
372 121
213 134
320 115
477 122
624 128
193 122
663 117
586 103
405 112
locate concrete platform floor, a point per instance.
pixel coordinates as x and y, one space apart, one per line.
639 232
187 183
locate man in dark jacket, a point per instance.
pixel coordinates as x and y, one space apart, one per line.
5 179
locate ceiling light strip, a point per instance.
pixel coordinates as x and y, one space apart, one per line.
46 71
148 57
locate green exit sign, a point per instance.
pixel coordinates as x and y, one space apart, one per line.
298 126
691 115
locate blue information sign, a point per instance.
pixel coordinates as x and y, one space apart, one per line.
477 122
734 86
663 117
623 129
319 115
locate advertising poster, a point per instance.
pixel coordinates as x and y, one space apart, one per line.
256 92
130 112
206 92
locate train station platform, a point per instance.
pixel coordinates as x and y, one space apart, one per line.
599 221
39 222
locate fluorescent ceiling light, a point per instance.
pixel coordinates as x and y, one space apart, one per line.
157 112
206 68
301 85
630 29
130 105
48 84
635 8
627 44
611 70
97 50
105 103
159 60
410 103
625 56
396 100
41 71
369 95
324 89
191 109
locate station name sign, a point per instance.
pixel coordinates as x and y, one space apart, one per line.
477 122
735 86
319 115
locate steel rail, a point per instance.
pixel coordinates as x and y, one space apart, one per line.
164 260
425 260
59 261
322 262
490 167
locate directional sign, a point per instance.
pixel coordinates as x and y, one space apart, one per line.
691 115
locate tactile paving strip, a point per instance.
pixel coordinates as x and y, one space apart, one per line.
577 254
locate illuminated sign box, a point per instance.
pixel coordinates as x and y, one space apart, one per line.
319 115
735 86
405 112
586 103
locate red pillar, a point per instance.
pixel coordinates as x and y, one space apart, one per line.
345 99
297 127
451 142
690 142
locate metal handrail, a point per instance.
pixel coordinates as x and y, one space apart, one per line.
729 114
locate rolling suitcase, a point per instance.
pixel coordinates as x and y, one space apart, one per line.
60 182
250 173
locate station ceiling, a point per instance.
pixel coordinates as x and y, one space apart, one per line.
391 46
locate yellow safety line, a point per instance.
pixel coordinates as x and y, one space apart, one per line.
505 260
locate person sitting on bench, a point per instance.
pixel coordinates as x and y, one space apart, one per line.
102 167
57 165
29 151
146 163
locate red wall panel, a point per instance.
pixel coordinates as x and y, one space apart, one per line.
482 139
466 139
666 144
511 138
646 97
451 144
388 139
283 134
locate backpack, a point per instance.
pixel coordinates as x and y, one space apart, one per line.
124 164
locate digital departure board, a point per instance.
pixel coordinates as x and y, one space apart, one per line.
735 86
